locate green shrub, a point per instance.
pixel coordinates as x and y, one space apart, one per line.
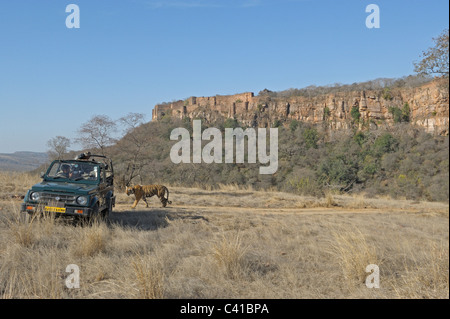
406 112
293 125
359 138
231 123
384 144
338 170
276 123
370 166
387 95
305 185
396 113
400 115
311 137
326 113
355 114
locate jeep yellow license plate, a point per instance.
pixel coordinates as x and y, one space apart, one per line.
55 209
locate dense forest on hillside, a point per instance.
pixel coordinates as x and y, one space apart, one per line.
404 162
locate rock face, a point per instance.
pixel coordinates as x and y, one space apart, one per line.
428 105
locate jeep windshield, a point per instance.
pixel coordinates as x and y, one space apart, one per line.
68 171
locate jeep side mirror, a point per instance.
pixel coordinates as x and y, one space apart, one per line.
42 174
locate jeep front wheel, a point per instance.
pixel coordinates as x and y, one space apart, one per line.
104 214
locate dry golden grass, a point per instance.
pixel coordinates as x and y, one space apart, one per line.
14 183
353 254
229 254
231 243
92 240
149 277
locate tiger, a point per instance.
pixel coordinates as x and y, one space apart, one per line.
144 191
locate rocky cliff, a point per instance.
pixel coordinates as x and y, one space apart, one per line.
428 107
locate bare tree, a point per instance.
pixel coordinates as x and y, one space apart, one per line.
131 121
134 143
58 146
97 133
435 59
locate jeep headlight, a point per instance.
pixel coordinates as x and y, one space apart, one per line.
35 196
82 200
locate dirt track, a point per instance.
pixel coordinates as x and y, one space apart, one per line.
195 209
156 216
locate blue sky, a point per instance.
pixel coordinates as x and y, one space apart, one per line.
128 56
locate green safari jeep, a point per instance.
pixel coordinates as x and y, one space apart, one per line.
83 188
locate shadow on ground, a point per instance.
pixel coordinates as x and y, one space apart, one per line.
151 219
233 194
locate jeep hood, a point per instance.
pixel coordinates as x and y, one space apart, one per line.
83 189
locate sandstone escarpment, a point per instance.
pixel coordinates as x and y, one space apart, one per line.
428 105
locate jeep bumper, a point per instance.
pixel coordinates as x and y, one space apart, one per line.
60 211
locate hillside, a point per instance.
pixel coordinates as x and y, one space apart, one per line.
385 137
403 162
21 161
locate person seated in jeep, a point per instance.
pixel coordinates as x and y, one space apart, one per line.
88 172
64 171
